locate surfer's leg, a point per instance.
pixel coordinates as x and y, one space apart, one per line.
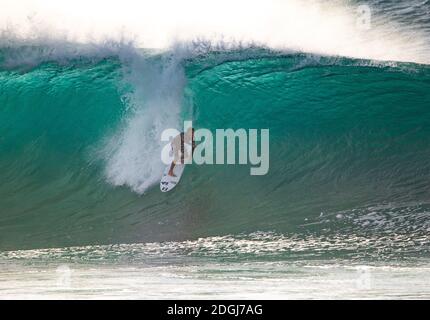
175 157
177 149
172 166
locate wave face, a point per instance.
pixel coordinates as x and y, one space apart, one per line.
79 151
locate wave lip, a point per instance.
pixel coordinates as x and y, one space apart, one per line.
376 30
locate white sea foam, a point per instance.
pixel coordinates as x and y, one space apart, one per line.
320 27
132 154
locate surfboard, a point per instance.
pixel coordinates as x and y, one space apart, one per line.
167 182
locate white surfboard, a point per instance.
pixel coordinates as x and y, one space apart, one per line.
167 182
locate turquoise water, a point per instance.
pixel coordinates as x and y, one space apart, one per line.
348 137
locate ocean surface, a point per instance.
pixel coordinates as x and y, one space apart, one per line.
344 211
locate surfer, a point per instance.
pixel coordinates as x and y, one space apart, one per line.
178 147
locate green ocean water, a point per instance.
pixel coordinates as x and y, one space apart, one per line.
79 152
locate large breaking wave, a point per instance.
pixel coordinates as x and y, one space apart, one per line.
80 141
